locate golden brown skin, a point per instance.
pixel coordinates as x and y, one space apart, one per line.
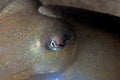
22 31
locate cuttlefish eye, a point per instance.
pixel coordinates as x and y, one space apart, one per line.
58 42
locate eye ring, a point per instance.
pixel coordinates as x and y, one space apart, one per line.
57 42
53 45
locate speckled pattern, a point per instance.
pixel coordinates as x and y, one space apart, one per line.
23 38
93 55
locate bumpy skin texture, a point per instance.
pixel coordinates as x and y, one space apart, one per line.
104 6
97 54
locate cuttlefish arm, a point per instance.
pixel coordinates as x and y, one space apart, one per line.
109 7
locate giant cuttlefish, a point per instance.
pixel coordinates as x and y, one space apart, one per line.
36 43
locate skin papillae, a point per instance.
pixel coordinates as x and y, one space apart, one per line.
23 56
103 6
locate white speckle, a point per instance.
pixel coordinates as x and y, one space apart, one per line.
38 43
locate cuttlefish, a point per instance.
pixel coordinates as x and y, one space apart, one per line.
32 43
37 43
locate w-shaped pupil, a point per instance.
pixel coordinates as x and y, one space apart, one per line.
54 44
57 42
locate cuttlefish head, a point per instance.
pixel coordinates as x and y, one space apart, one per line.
34 43
54 46
41 43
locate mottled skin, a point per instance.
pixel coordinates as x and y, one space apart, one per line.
24 56
24 33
